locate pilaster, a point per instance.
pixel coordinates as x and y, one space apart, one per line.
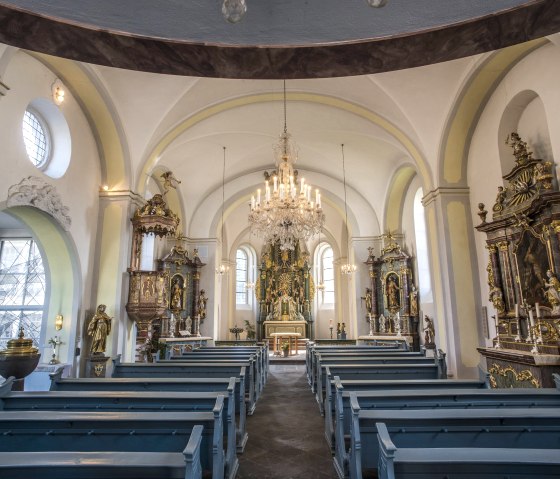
455 281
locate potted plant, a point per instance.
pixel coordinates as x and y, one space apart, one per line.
285 349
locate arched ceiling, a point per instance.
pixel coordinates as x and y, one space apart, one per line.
288 39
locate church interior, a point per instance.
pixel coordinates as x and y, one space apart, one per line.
360 173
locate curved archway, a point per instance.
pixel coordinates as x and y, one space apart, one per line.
61 260
396 196
413 151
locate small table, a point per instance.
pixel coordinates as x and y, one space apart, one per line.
279 337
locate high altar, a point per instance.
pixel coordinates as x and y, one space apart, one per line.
524 261
284 292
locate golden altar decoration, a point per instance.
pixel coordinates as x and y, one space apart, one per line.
284 291
523 240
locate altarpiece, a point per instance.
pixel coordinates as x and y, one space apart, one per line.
391 298
523 263
284 291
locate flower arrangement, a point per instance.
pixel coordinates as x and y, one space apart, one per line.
285 346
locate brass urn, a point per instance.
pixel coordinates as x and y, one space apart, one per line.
19 359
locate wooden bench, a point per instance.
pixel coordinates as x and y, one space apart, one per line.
336 384
103 465
375 371
164 385
312 348
138 401
395 357
465 462
260 352
173 369
43 431
449 428
441 398
252 359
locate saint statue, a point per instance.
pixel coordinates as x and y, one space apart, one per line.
202 300
429 331
99 328
413 301
176 295
369 300
392 293
552 291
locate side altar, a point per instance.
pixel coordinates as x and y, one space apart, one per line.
284 291
523 241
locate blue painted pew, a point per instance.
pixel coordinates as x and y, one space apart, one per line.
441 398
397 462
138 401
103 465
43 431
252 359
347 386
165 385
311 348
450 428
190 370
262 350
375 371
369 357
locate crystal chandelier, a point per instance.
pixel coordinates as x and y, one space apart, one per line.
234 10
223 268
286 212
347 268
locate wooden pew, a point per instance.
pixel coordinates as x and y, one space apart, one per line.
138 401
261 349
311 348
252 359
331 354
171 369
103 465
414 462
43 431
164 385
345 387
367 370
364 357
440 398
448 428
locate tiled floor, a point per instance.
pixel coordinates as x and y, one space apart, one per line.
286 433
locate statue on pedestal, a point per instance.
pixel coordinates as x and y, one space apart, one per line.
552 291
429 331
99 328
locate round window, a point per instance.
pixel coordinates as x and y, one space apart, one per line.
36 138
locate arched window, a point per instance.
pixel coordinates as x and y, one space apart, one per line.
22 289
425 286
241 277
36 137
325 279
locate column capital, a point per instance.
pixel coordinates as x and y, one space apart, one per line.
120 195
442 192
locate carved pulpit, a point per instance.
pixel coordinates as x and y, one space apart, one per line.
284 291
160 301
523 265
391 299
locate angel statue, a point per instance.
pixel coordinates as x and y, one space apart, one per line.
169 181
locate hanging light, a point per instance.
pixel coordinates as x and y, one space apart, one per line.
286 211
234 10
347 268
223 268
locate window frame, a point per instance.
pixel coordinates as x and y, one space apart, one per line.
48 138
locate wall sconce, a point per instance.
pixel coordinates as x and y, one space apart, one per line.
58 322
58 92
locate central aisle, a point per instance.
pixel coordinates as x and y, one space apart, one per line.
286 433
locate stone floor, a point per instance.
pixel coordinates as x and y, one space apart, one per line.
286 433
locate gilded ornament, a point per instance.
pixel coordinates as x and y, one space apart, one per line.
556 225
520 150
503 245
511 378
491 248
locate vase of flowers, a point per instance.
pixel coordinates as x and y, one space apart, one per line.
285 349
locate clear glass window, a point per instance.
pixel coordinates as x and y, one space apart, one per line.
327 274
36 138
22 290
241 277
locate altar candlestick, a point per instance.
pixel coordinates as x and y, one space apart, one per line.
330 323
531 319
538 310
516 310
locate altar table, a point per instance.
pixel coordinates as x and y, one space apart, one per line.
279 337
